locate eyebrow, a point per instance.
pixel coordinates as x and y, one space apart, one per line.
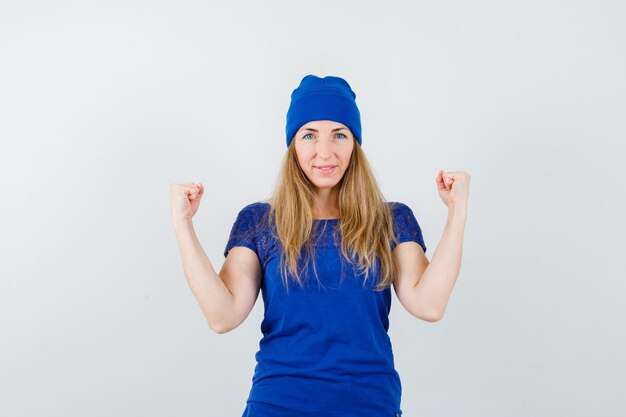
315 130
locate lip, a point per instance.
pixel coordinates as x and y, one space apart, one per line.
324 166
321 172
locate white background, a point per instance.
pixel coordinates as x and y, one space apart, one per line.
104 104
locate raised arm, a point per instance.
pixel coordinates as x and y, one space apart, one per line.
424 287
227 298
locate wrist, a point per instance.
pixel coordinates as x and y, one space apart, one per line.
458 206
457 211
182 223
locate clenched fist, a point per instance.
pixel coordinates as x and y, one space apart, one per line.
453 187
185 199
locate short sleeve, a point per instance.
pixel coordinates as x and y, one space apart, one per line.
243 231
406 227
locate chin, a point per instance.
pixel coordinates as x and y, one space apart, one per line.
322 186
330 183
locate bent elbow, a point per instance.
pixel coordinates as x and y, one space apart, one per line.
436 317
219 329
433 316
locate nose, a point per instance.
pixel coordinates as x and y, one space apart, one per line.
324 147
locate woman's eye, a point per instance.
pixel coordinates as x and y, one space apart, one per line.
340 135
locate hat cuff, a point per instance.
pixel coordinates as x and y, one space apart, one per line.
323 106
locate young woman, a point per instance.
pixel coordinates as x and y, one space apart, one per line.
324 250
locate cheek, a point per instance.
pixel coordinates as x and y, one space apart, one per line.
346 158
303 154
302 160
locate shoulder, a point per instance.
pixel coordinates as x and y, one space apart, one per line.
403 216
254 213
256 208
398 208
405 225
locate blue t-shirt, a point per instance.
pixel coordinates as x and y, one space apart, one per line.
325 349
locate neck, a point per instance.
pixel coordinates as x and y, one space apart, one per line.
326 204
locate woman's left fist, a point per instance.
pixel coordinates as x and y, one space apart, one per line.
453 187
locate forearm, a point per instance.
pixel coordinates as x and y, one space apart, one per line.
435 285
214 298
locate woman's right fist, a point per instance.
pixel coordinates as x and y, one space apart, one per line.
185 199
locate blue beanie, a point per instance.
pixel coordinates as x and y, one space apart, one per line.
328 98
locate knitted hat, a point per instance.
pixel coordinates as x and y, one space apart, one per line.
328 98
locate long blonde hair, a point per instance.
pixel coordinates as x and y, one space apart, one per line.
365 219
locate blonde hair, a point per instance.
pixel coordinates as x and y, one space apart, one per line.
365 219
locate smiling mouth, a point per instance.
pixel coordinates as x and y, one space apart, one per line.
326 169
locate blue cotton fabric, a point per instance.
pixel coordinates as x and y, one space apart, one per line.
325 349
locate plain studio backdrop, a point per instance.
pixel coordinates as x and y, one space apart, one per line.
104 104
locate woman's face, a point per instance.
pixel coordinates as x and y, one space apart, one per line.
320 144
